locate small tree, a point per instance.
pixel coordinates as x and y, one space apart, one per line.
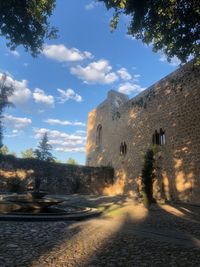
4 150
147 178
72 161
5 92
28 154
43 150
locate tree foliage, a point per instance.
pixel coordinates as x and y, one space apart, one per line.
43 150
5 92
72 161
4 150
26 23
171 26
147 178
28 154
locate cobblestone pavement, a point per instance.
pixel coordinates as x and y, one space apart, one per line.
127 235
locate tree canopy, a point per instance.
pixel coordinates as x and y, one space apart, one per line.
171 26
28 153
5 92
43 150
4 150
26 23
72 161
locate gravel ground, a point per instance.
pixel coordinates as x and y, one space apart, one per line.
166 236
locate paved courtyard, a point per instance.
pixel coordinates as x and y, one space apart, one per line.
125 235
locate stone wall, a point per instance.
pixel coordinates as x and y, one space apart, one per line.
173 105
19 175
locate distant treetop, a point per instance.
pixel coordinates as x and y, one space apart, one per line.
43 150
72 161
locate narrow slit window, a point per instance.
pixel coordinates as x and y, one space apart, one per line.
123 149
99 135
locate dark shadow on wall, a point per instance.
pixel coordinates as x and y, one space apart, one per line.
179 180
54 177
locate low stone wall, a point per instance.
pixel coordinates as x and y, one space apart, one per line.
18 175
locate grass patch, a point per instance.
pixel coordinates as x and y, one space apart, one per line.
111 210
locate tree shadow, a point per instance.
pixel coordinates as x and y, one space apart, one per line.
37 243
156 240
127 235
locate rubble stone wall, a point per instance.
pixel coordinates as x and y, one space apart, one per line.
19 175
173 105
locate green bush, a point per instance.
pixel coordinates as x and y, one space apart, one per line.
147 178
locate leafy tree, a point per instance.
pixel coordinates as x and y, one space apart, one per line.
72 161
28 153
12 153
5 92
26 23
57 161
171 26
147 177
43 150
4 150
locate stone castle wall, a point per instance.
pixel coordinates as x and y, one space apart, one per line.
56 178
172 104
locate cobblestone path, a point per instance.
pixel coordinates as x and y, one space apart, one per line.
127 236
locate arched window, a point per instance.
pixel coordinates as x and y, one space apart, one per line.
99 135
159 138
123 149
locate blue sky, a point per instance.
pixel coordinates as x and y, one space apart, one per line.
55 91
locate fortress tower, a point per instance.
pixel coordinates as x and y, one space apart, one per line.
167 114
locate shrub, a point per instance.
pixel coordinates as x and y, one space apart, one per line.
147 178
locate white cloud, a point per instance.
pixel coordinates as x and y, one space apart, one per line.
63 54
129 88
15 53
40 97
64 123
136 76
90 6
131 37
67 95
15 133
81 132
21 92
95 72
70 149
16 122
62 141
124 74
174 61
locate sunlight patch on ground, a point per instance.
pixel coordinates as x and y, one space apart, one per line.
97 232
172 210
131 210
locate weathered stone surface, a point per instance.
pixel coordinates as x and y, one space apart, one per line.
173 105
55 178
